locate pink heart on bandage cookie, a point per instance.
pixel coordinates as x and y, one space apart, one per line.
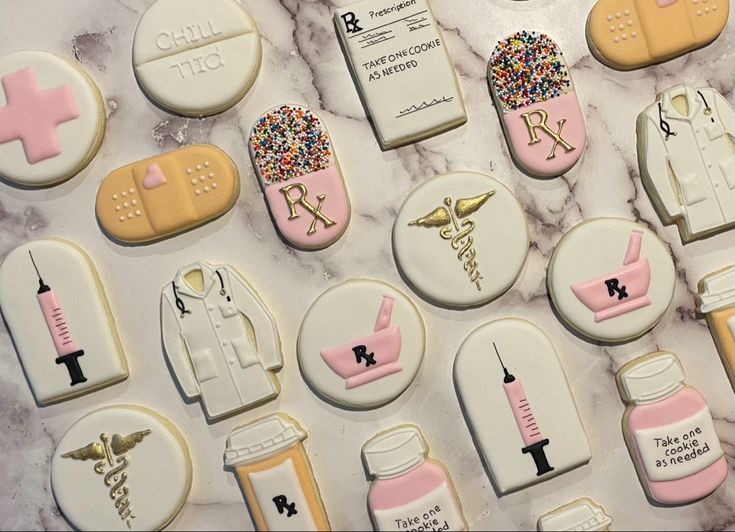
154 178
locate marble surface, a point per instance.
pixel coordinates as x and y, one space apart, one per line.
303 63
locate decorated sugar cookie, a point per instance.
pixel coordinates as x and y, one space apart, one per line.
121 467
538 107
461 239
167 194
716 300
630 34
410 490
54 304
401 68
301 180
611 279
275 475
52 118
196 57
361 344
669 431
214 323
581 515
533 431
686 153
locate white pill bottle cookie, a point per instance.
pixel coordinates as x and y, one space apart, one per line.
196 57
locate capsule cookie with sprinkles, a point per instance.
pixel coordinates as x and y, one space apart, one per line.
534 95
298 171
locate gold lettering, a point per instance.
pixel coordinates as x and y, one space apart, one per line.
543 126
316 212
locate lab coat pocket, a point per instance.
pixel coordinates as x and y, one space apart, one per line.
228 310
714 131
727 167
204 365
245 352
692 189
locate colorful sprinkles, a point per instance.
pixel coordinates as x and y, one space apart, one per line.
528 68
288 142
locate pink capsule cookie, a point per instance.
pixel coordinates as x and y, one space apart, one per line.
303 186
538 106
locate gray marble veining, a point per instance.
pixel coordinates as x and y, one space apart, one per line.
303 64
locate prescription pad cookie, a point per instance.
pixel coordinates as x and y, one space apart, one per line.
361 344
533 431
196 57
630 34
57 313
52 118
300 177
686 156
220 339
275 475
121 467
611 279
167 194
461 239
534 95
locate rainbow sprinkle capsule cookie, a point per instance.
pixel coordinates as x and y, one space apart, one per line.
538 107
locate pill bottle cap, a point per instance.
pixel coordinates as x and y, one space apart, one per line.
650 378
582 514
394 452
262 438
717 291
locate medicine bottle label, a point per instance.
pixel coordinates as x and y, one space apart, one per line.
437 510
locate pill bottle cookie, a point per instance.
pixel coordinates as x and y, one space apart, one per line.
196 57
52 118
716 301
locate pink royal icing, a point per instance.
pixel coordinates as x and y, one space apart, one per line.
32 114
154 177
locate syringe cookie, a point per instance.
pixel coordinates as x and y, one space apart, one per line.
57 313
167 194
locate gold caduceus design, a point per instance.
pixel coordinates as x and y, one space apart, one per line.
112 462
456 227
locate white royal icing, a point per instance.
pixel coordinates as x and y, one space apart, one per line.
437 510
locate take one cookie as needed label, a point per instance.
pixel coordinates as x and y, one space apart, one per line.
401 66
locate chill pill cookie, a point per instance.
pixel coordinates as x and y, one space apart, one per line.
275 475
361 344
410 490
716 300
52 118
687 159
55 307
611 279
213 321
121 467
167 194
669 431
538 107
581 515
300 177
399 62
534 432
196 57
630 34
461 239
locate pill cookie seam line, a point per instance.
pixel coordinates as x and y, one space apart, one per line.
175 52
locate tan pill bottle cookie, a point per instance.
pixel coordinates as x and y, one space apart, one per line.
275 474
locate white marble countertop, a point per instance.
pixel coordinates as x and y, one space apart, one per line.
303 64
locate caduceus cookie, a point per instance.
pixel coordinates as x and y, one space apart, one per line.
301 180
539 111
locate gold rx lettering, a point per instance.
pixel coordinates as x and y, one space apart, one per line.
543 126
302 200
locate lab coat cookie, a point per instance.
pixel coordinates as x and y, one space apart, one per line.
122 467
686 153
533 431
300 177
55 306
630 34
538 107
361 344
611 279
221 340
167 194
52 118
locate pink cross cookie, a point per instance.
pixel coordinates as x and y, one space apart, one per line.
33 114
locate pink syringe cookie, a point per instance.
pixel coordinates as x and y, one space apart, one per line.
301 180
538 107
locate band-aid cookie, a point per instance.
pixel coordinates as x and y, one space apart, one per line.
167 194
630 34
